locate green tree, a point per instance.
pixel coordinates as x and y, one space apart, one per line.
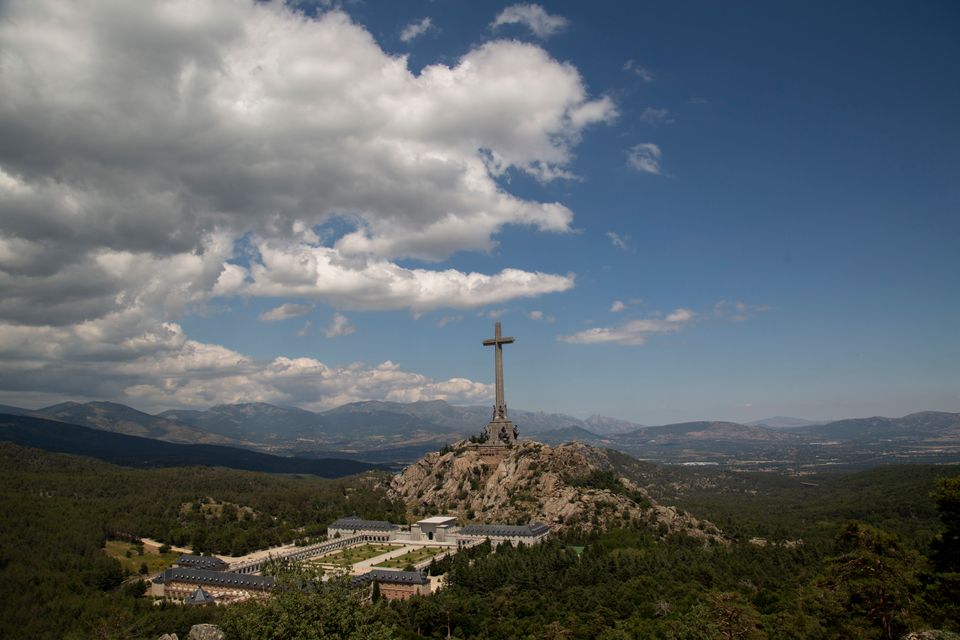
942 594
870 587
946 547
302 607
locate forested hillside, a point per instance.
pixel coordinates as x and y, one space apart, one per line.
58 511
816 575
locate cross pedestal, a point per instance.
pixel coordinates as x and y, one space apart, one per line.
500 430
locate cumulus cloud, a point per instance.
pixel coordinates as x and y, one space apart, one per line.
617 306
645 157
534 17
250 117
157 366
157 156
285 311
634 332
416 29
339 326
286 269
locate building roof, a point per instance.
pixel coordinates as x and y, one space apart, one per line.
199 597
212 563
215 578
532 530
355 523
384 576
437 520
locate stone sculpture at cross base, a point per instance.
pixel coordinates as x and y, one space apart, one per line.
500 430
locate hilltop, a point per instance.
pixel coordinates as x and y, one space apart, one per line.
570 486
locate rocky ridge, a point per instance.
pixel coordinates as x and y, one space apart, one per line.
568 486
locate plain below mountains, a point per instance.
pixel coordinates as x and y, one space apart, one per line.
401 432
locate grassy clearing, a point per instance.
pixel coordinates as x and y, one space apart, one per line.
411 557
357 554
155 561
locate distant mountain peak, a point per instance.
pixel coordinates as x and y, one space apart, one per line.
783 422
70 404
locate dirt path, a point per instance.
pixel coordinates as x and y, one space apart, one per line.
156 544
257 555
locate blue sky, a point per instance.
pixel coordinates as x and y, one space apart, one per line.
764 204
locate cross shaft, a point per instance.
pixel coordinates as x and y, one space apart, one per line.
500 410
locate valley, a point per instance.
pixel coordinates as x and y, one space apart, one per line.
395 434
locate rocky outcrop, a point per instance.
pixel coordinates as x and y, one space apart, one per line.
199 632
568 486
205 632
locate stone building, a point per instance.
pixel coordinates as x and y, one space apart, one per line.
438 531
354 525
181 583
199 597
499 533
435 529
394 585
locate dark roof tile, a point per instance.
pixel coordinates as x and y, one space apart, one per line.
204 576
384 576
531 530
355 523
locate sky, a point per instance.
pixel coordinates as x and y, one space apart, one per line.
682 211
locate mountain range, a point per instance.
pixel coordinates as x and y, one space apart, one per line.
399 432
134 451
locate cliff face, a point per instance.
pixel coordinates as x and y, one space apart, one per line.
567 486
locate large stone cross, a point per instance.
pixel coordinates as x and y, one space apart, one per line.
500 410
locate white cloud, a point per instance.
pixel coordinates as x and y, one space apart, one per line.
285 311
304 331
638 70
445 320
339 326
249 117
304 271
156 367
534 17
634 332
493 314
619 241
157 156
540 316
416 29
656 116
645 157
617 306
